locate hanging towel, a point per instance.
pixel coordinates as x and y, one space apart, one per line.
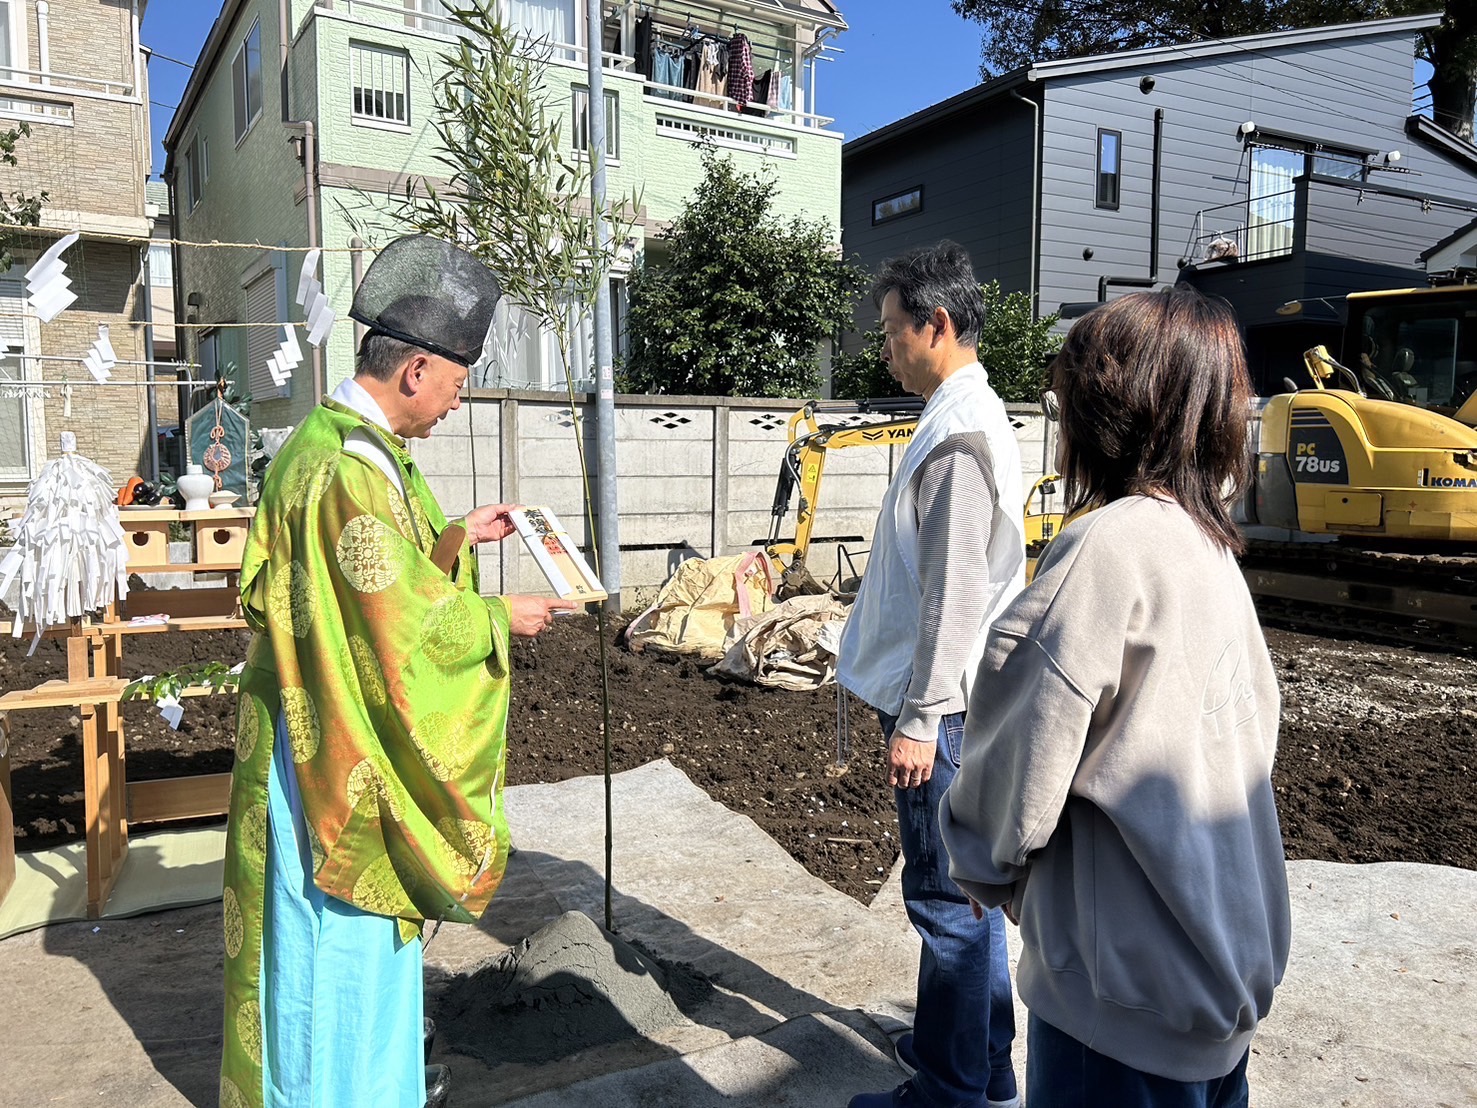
740 70
645 47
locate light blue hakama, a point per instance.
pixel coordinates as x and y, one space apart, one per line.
341 994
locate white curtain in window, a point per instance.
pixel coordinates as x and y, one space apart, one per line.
552 20
1273 205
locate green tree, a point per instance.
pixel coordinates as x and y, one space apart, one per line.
1013 346
17 209
517 197
741 298
1018 33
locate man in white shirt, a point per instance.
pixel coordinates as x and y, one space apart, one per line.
948 554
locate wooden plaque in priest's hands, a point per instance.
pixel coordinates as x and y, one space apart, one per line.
552 548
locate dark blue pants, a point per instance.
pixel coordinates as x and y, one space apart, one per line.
1062 1073
966 1020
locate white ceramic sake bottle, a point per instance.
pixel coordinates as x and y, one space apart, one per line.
196 486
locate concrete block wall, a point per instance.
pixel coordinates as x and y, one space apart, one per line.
696 478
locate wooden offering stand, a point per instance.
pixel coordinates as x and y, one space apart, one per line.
94 685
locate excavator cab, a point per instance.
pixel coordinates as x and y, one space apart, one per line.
1384 445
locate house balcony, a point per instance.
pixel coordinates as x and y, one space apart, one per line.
678 82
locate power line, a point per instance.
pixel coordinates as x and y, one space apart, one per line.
166 58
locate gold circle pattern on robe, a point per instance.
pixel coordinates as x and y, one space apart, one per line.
371 674
249 1029
378 888
368 783
304 733
234 924
447 631
231 1096
254 833
290 600
369 555
248 725
444 744
474 843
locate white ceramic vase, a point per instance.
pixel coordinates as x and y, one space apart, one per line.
196 486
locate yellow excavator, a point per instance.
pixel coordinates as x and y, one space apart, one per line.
847 425
1365 489
1384 445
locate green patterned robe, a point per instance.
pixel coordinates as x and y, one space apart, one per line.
393 680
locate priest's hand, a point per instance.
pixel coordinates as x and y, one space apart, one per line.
528 615
490 522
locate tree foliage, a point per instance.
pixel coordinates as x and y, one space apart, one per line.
1018 32
517 197
741 298
1013 347
17 209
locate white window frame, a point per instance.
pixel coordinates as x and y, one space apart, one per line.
24 346
20 53
579 99
194 177
161 275
384 57
243 120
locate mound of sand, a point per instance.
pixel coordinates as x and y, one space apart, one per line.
571 986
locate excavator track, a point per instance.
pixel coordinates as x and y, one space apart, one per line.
1405 596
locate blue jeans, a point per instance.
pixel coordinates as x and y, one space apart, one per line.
966 1018
1062 1073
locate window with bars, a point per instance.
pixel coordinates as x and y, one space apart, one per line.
380 79
246 80
581 123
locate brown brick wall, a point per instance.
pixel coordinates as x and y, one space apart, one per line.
111 423
98 164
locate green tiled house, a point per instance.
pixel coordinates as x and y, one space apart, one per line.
299 113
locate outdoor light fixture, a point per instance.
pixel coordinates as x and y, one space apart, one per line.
1246 128
1392 157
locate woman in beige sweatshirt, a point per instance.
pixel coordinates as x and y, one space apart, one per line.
1115 787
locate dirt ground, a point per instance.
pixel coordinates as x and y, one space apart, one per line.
1377 760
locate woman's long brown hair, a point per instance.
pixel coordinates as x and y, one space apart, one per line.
1154 399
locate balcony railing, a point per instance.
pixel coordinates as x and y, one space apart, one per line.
1261 227
442 29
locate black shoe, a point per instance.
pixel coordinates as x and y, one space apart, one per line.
428 1036
438 1086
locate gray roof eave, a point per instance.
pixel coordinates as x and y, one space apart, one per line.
998 86
1158 55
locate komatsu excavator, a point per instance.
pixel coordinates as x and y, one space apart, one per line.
1378 460
1384 445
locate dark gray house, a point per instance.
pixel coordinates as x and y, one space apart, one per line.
1267 169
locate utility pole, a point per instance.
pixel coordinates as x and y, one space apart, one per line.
610 532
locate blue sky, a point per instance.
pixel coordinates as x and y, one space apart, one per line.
900 57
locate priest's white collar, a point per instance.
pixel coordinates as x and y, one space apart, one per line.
351 394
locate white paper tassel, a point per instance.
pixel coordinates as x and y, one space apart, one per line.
314 301
47 284
70 552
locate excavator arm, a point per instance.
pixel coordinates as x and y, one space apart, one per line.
811 440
